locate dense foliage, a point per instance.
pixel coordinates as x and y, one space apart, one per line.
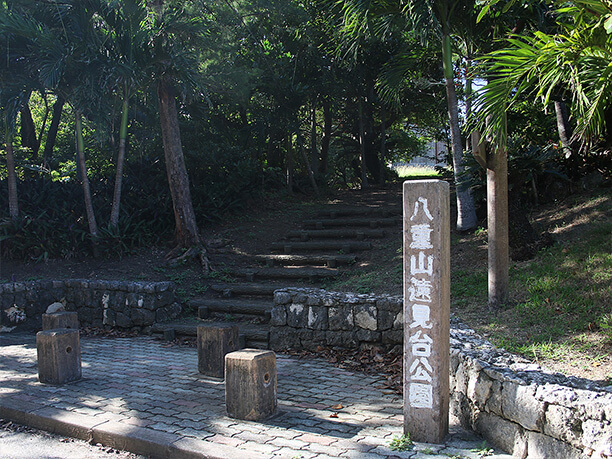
271 95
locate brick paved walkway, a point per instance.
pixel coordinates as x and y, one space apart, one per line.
146 396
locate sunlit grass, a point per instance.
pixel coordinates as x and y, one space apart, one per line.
560 307
416 172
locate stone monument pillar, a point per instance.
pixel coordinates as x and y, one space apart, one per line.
426 309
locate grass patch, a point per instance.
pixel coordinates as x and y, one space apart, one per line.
560 308
414 172
369 282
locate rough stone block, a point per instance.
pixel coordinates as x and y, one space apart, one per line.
297 315
502 433
278 316
282 338
520 405
214 342
250 384
541 446
366 317
62 319
340 318
317 318
142 317
59 356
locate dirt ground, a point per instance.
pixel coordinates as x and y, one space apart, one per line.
252 230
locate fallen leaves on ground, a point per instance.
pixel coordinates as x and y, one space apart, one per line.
107 333
374 361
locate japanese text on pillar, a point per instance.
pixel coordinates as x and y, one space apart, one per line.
420 371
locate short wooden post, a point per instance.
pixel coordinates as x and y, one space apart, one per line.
250 384
426 309
59 356
62 319
214 341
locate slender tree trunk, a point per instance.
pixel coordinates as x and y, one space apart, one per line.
383 143
466 210
311 175
11 176
53 128
325 141
564 128
89 210
496 165
314 151
289 163
186 231
362 152
114 217
28 132
497 228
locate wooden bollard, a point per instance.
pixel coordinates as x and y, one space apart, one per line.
59 356
250 384
214 341
61 319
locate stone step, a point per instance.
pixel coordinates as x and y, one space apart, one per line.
331 261
249 289
352 222
315 246
335 212
248 307
285 273
250 334
306 235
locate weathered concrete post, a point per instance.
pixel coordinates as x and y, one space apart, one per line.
61 319
250 384
426 309
59 356
214 342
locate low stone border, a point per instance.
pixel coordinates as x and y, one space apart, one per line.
514 404
122 304
304 318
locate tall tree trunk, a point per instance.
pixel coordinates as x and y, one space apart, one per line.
326 139
89 210
28 132
466 210
186 230
497 228
114 217
289 163
383 143
496 165
11 176
53 129
564 128
309 168
314 151
362 152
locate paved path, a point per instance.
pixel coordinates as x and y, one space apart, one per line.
146 396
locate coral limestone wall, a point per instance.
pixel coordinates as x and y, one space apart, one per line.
514 404
123 304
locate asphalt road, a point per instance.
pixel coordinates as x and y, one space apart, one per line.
20 442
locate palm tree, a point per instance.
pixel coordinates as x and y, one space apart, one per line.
8 108
430 19
575 62
60 48
127 38
176 29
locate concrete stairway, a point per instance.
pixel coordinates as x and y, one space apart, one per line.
326 246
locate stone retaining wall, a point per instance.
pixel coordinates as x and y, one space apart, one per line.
515 405
308 318
122 304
